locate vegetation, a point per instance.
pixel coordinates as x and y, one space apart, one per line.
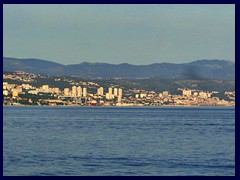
155 84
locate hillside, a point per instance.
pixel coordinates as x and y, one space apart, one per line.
196 70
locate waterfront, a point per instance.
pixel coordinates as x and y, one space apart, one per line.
118 140
78 92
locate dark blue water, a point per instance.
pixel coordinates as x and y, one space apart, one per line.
158 141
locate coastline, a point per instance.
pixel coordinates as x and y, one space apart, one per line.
22 105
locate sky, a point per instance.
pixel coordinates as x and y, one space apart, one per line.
130 33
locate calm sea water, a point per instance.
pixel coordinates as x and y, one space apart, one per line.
162 141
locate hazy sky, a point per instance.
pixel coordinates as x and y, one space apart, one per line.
135 34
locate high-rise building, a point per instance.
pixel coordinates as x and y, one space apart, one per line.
115 92
100 91
66 91
74 91
119 95
110 90
120 92
84 92
110 93
79 91
119 99
107 96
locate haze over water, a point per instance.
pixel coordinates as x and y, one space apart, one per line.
118 141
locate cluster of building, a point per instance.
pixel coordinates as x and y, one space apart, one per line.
91 94
81 95
53 95
21 76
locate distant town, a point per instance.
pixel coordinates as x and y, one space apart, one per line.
90 93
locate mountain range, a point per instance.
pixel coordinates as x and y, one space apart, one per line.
196 70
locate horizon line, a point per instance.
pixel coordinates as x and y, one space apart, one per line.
164 62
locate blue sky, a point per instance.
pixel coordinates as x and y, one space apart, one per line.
135 34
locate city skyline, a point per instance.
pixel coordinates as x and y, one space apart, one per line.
134 34
91 93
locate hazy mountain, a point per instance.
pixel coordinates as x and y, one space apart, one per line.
37 66
196 70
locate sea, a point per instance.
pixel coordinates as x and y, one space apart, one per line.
118 141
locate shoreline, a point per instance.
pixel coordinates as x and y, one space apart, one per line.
116 106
